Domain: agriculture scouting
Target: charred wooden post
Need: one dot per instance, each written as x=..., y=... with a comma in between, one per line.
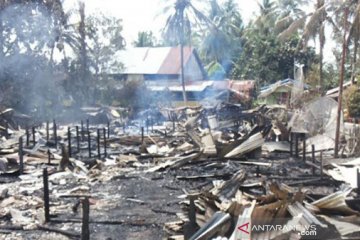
x=321, y=164
x=296, y=146
x=21, y=156
x=142, y=135
x=313, y=158
x=33, y=135
x=291, y=143
x=105, y=142
x=69, y=141
x=87, y=125
x=49, y=156
x=27, y=137
x=47, y=131
x=82, y=130
x=192, y=211
x=304, y=149
x=77, y=139
x=98, y=143
x=46, y=195
x=358, y=182
x=55, y=133
x=89, y=143
x=85, y=231
x=108, y=129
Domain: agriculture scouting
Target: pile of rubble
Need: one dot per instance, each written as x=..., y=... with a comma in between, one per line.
x=234, y=172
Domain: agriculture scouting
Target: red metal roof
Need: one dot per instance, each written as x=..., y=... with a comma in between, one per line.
x=172, y=62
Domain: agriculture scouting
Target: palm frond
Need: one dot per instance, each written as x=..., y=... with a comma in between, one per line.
x=292, y=29
x=315, y=21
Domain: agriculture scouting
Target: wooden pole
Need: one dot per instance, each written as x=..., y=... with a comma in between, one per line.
x=85, y=230
x=291, y=144
x=105, y=143
x=313, y=158
x=77, y=138
x=49, y=156
x=142, y=135
x=33, y=135
x=321, y=164
x=296, y=145
x=46, y=195
x=342, y=73
x=82, y=130
x=98, y=143
x=192, y=211
x=21, y=156
x=69, y=140
x=55, y=133
x=27, y=137
x=47, y=131
x=89, y=143
x=108, y=129
x=304, y=149
x=358, y=182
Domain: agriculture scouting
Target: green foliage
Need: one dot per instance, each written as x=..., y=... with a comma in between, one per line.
x=145, y=39
x=221, y=40
x=354, y=104
x=268, y=60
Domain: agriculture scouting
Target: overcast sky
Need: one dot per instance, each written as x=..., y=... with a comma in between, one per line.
x=144, y=15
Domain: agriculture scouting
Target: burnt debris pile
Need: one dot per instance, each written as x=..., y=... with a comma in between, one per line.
x=208, y=172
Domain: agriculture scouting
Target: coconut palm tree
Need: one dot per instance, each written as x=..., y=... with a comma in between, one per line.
x=354, y=34
x=222, y=39
x=178, y=27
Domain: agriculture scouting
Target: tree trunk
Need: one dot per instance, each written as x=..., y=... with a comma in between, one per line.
x=342, y=72
x=182, y=56
x=353, y=74
x=83, y=53
x=321, y=60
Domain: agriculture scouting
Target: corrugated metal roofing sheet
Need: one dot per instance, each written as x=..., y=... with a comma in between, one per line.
x=155, y=60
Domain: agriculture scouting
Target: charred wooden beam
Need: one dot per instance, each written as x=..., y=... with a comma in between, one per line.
x=296, y=146
x=82, y=130
x=69, y=140
x=27, y=137
x=358, y=182
x=77, y=139
x=291, y=143
x=105, y=142
x=89, y=143
x=49, y=156
x=85, y=231
x=55, y=133
x=313, y=158
x=21, y=156
x=33, y=135
x=47, y=131
x=304, y=150
x=46, y=195
x=98, y=143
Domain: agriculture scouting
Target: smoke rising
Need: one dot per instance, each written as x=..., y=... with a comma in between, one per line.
x=27, y=33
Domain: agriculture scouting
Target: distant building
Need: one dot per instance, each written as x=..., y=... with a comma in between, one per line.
x=159, y=64
x=277, y=93
x=160, y=69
